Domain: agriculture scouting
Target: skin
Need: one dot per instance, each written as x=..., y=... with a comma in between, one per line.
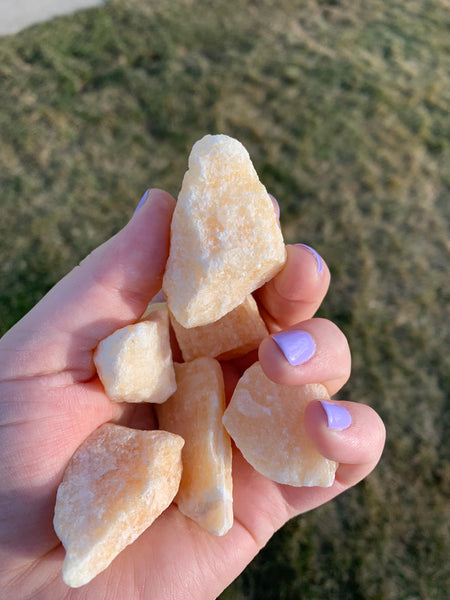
x=51, y=400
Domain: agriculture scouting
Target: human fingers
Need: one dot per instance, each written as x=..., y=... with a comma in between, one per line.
x=297, y=291
x=354, y=439
x=313, y=351
x=109, y=289
x=349, y=433
x=209, y=563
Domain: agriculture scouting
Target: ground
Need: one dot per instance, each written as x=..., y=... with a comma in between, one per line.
x=343, y=107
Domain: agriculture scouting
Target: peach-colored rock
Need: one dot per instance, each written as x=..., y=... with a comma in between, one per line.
x=225, y=237
x=156, y=309
x=195, y=413
x=235, y=334
x=265, y=420
x=134, y=363
x=116, y=484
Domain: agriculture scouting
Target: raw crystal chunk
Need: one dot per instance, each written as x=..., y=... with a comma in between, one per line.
x=225, y=238
x=134, y=363
x=116, y=484
x=156, y=306
x=265, y=420
x=195, y=412
x=235, y=334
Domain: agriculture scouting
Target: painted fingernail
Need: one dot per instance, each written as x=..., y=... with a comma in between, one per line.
x=141, y=202
x=277, y=206
x=297, y=346
x=317, y=256
x=338, y=417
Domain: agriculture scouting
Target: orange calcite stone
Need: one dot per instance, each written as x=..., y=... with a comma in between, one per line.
x=156, y=309
x=265, y=420
x=116, y=484
x=235, y=334
x=225, y=237
x=134, y=363
x=195, y=412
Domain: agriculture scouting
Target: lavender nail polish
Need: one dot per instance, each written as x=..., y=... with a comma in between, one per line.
x=141, y=202
x=317, y=256
x=338, y=416
x=276, y=205
x=296, y=345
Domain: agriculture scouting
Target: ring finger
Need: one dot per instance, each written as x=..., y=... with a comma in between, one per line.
x=313, y=351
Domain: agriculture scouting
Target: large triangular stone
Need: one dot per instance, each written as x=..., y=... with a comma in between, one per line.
x=225, y=238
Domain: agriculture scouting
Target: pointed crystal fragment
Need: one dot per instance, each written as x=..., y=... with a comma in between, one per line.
x=225, y=237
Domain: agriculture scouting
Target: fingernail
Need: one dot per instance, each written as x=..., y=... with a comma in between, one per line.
x=338, y=417
x=297, y=346
x=277, y=206
x=141, y=202
x=317, y=256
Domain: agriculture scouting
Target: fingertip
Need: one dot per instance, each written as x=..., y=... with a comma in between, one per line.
x=276, y=206
x=286, y=357
x=297, y=291
x=306, y=276
x=317, y=257
x=296, y=345
x=155, y=199
x=346, y=432
x=314, y=351
x=159, y=195
x=337, y=415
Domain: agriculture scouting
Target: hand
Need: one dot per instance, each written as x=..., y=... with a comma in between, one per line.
x=51, y=400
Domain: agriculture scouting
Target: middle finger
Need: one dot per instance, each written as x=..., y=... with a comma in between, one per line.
x=297, y=291
x=313, y=351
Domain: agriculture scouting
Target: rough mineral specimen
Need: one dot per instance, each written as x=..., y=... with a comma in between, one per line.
x=225, y=238
x=116, y=484
x=195, y=412
x=134, y=363
x=235, y=334
x=265, y=420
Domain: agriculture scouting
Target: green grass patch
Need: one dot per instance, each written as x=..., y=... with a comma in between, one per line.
x=343, y=107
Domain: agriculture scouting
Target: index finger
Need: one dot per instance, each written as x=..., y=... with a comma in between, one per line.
x=297, y=291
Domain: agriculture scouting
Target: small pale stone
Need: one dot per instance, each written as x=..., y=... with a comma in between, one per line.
x=225, y=238
x=116, y=484
x=134, y=363
x=195, y=412
x=235, y=334
x=265, y=420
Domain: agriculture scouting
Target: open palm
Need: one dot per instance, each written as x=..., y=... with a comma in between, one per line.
x=51, y=401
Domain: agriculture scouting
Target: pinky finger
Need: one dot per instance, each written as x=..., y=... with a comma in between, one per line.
x=349, y=433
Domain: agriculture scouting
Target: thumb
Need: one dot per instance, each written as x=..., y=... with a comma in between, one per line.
x=109, y=289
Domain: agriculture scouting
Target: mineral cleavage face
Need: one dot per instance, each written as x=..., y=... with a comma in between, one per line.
x=225, y=237
x=195, y=413
x=233, y=335
x=134, y=363
x=117, y=483
x=265, y=420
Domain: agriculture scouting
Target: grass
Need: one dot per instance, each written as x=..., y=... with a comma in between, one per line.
x=343, y=107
